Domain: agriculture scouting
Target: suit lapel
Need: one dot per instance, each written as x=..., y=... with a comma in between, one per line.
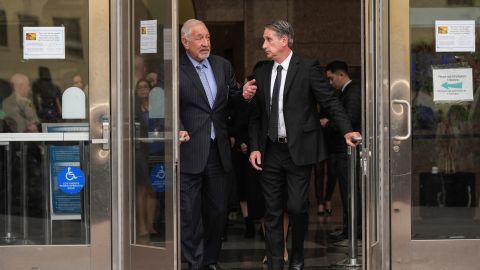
x=267, y=81
x=193, y=76
x=292, y=70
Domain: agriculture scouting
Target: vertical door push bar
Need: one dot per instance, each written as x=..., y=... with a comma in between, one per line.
x=352, y=260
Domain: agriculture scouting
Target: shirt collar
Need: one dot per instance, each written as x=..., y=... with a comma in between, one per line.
x=345, y=85
x=285, y=62
x=195, y=63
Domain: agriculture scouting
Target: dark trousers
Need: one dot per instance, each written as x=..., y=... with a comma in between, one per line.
x=340, y=166
x=324, y=194
x=280, y=174
x=203, y=203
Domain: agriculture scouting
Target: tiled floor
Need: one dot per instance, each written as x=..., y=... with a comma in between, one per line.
x=320, y=252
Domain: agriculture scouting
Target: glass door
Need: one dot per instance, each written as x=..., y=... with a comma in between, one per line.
x=435, y=146
x=55, y=179
x=152, y=215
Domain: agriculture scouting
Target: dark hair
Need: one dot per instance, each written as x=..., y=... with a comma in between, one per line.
x=337, y=66
x=143, y=80
x=282, y=28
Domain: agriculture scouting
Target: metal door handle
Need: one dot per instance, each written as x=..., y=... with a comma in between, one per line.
x=409, y=119
x=105, y=135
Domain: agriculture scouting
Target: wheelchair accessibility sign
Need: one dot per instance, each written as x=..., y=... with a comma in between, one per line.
x=71, y=180
x=157, y=178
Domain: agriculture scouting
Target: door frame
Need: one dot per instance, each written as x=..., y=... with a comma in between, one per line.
x=125, y=255
x=376, y=134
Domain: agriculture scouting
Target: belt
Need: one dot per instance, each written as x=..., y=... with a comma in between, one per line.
x=280, y=140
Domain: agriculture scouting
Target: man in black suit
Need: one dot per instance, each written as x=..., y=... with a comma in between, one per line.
x=206, y=82
x=285, y=136
x=351, y=97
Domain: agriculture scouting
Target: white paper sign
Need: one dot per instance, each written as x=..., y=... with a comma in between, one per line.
x=73, y=103
x=43, y=42
x=452, y=85
x=455, y=36
x=148, y=36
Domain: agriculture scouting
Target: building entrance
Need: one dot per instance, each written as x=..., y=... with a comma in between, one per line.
x=323, y=30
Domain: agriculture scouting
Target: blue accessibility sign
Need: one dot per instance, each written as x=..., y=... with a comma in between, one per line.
x=71, y=180
x=157, y=178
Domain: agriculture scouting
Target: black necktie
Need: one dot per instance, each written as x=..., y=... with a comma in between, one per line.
x=273, y=123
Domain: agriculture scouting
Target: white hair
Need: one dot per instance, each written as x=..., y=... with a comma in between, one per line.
x=187, y=27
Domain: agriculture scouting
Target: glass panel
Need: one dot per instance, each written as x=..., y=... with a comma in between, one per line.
x=36, y=208
x=446, y=131
x=150, y=92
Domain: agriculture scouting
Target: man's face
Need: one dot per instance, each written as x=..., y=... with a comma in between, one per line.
x=273, y=45
x=335, y=79
x=198, y=43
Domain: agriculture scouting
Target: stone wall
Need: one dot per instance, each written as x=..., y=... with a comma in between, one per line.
x=326, y=30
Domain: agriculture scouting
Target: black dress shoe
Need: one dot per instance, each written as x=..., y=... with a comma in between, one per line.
x=337, y=236
x=295, y=265
x=213, y=267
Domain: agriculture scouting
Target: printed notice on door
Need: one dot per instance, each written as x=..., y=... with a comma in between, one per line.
x=148, y=36
x=452, y=85
x=455, y=36
x=43, y=42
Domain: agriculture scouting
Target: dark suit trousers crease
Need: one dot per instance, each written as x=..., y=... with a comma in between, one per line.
x=280, y=174
x=203, y=202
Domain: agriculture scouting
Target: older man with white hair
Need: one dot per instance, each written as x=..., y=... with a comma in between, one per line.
x=19, y=107
x=206, y=82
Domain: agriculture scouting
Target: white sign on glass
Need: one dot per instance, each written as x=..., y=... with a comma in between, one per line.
x=43, y=42
x=73, y=103
x=148, y=36
x=452, y=85
x=455, y=36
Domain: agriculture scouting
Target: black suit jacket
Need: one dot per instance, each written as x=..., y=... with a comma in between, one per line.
x=351, y=99
x=304, y=87
x=196, y=114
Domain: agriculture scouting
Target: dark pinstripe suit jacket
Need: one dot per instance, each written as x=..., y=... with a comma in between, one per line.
x=196, y=114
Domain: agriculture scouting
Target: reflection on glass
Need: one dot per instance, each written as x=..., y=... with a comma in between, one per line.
x=34, y=210
x=151, y=166
x=446, y=135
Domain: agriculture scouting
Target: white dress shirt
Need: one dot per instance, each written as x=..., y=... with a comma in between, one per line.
x=282, y=132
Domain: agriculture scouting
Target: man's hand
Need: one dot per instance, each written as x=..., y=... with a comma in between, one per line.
x=323, y=122
x=249, y=90
x=183, y=136
x=256, y=160
x=349, y=138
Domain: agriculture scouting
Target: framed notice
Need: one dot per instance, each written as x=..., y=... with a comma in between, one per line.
x=43, y=42
x=455, y=36
x=452, y=85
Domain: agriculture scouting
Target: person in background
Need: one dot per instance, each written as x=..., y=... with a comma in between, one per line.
x=19, y=107
x=146, y=198
x=47, y=97
x=350, y=96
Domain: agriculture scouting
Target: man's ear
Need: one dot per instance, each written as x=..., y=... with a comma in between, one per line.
x=185, y=43
x=285, y=40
